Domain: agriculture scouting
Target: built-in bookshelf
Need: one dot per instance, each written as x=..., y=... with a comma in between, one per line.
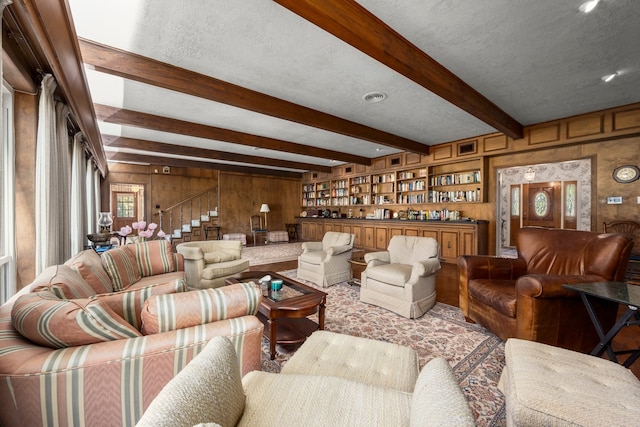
x=420, y=185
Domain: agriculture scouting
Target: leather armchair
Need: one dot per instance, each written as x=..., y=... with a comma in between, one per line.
x=326, y=263
x=402, y=279
x=524, y=298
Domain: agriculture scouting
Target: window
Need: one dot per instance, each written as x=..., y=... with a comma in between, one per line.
x=7, y=200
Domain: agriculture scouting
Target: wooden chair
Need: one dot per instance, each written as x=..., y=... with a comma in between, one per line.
x=257, y=227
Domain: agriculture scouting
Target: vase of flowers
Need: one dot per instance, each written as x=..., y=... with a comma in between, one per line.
x=144, y=232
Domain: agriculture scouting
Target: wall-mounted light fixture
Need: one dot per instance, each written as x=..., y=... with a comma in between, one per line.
x=529, y=174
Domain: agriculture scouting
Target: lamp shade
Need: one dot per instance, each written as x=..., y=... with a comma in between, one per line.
x=264, y=208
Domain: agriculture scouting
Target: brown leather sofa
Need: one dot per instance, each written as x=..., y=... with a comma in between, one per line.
x=524, y=298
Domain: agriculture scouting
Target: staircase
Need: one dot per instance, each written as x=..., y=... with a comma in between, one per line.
x=187, y=220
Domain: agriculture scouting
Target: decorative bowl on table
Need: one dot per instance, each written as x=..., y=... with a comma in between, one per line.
x=98, y=238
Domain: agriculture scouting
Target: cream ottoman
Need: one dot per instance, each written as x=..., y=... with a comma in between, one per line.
x=551, y=386
x=278, y=236
x=358, y=359
x=236, y=236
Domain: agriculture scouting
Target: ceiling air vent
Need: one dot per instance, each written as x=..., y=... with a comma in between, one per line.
x=373, y=97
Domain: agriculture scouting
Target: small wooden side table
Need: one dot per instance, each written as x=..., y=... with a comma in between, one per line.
x=358, y=265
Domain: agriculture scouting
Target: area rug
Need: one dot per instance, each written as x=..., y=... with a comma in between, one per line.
x=268, y=254
x=476, y=355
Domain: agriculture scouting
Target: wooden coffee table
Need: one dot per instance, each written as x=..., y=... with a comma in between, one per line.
x=284, y=313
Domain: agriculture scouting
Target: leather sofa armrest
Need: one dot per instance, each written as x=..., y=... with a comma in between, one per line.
x=490, y=267
x=550, y=285
x=311, y=246
x=377, y=258
x=336, y=250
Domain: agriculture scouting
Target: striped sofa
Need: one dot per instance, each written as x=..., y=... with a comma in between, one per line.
x=93, y=341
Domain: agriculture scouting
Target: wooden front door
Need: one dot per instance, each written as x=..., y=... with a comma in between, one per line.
x=542, y=205
x=125, y=206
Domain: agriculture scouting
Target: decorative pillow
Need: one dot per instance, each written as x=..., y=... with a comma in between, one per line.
x=153, y=257
x=53, y=322
x=121, y=267
x=89, y=265
x=215, y=257
x=128, y=303
x=63, y=282
x=163, y=313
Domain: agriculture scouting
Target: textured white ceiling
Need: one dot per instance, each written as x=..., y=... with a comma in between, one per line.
x=537, y=60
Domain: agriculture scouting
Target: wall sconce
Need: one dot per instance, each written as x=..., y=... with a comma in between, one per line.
x=264, y=208
x=529, y=174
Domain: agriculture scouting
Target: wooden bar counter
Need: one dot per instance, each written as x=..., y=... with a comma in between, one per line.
x=455, y=237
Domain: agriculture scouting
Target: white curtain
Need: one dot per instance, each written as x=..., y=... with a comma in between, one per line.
x=53, y=206
x=79, y=214
x=90, y=198
x=96, y=191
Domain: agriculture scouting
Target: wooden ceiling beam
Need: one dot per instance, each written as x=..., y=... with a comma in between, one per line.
x=181, y=150
x=166, y=124
x=355, y=25
x=130, y=66
x=183, y=163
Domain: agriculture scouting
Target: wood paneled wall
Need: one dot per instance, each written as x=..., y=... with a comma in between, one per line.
x=240, y=195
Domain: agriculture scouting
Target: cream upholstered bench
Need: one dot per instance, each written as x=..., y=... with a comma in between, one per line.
x=236, y=236
x=277, y=236
x=551, y=386
x=358, y=359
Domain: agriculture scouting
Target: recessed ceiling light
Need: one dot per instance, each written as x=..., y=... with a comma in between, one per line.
x=609, y=77
x=373, y=97
x=588, y=6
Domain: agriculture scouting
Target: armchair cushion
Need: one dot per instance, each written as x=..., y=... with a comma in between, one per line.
x=392, y=274
x=50, y=321
x=169, y=312
x=333, y=238
x=215, y=257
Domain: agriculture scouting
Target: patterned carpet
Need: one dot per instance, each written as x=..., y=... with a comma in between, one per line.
x=476, y=354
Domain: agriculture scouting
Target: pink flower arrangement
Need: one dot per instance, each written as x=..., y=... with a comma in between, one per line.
x=144, y=231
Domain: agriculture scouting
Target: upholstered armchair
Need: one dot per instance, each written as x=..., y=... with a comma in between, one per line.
x=402, y=278
x=208, y=263
x=524, y=298
x=326, y=263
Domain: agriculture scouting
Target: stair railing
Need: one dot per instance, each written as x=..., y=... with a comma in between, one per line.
x=178, y=209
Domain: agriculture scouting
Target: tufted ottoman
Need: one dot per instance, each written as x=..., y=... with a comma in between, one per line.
x=236, y=236
x=358, y=359
x=551, y=386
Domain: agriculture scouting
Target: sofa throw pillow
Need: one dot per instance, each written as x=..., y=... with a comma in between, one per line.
x=153, y=257
x=128, y=303
x=50, y=321
x=215, y=257
x=121, y=267
x=63, y=282
x=162, y=313
x=89, y=265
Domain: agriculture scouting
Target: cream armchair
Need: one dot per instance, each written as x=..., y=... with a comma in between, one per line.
x=208, y=263
x=326, y=263
x=402, y=278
